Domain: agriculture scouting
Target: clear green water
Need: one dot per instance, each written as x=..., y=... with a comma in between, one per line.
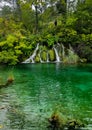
x=40, y=89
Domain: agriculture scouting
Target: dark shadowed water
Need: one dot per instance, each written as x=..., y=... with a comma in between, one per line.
x=39, y=90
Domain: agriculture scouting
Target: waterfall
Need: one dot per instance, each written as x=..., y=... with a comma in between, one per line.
x=71, y=5
x=72, y=56
x=47, y=57
x=57, y=56
x=31, y=58
x=40, y=57
x=63, y=50
x=71, y=49
x=43, y=55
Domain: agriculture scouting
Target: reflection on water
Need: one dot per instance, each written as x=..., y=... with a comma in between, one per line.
x=40, y=89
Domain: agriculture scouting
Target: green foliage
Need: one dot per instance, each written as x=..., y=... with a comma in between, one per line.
x=50, y=40
x=85, y=51
x=13, y=49
x=61, y=6
x=18, y=28
x=8, y=57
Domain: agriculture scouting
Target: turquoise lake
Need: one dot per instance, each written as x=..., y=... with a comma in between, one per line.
x=39, y=90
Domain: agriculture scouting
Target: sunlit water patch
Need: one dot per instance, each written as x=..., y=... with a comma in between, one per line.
x=39, y=90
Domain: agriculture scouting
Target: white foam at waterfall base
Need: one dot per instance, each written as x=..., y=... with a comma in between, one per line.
x=31, y=58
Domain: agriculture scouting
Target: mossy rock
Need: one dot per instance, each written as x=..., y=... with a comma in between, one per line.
x=44, y=55
x=52, y=56
x=65, y=59
x=37, y=59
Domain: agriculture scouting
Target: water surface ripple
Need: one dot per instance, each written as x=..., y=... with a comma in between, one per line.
x=40, y=89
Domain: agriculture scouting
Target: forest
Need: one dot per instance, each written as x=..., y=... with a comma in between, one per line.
x=24, y=23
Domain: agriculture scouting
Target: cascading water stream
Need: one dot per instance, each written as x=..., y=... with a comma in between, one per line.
x=71, y=49
x=47, y=57
x=57, y=55
x=72, y=56
x=57, y=52
x=63, y=50
x=40, y=57
x=31, y=58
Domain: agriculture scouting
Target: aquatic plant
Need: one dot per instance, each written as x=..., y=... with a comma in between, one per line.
x=56, y=122
x=10, y=80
